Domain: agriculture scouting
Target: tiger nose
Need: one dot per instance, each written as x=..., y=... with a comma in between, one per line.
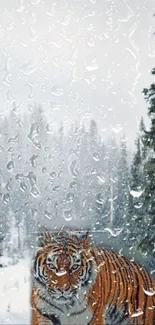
x=63, y=289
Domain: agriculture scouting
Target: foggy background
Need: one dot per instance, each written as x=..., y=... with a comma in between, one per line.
x=78, y=59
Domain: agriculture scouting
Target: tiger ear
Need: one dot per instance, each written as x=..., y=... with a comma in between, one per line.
x=44, y=238
x=85, y=240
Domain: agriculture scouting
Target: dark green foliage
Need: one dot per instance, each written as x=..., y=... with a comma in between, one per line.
x=147, y=243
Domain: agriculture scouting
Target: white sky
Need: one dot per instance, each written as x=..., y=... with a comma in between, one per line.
x=81, y=59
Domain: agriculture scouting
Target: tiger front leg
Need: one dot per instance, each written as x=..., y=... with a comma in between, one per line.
x=38, y=319
x=98, y=319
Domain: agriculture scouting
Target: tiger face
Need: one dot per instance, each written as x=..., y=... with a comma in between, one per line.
x=64, y=268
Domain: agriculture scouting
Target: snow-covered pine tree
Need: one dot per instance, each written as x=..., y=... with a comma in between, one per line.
x=121, y=204
x=135, y=203
x=147, y=242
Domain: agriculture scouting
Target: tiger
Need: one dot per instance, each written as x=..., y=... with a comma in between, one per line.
x=75, y=282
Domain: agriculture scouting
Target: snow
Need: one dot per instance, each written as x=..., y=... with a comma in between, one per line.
x=15, y=294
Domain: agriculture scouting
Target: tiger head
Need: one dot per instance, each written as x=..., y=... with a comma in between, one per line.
x=63, y=265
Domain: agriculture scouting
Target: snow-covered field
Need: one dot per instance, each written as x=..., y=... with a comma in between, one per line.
x=15, y=293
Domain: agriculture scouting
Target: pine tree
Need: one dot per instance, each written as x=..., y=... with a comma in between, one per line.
x=148, y=242
x=136, y=184
x=121, y=203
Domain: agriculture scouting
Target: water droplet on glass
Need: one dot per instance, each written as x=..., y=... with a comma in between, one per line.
x=56, y=188
x=99, y=199
x=29, y=67
x=19, y=177
x=10, y=165
x=137, y=314
x=51, y=12
x=53, y=175
x=69, y=197
x=48, y=215
x=93, y=66
x=32, y=178
x=117, y=129
x=93, y=172
x=23, y=186
x=34, y=191
x=6, y=198
x=33, y=160
x=68, y=215
x=96, y=156
x=44, y=170
x=10, y=149
x=34, y=131
x=101, y=179
x=57, y=90
x=73, y=169
x=13, y=139
x=114, y=232
x=8, y=186
x=136, y=193
x=35, y=2
x=34, y=212
x=150, y=292
x=138, y=205
x=73, y=185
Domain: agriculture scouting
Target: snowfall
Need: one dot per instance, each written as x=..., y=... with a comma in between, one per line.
x=15, y=292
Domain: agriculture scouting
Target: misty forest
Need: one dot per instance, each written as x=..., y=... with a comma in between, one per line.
x=75, y=178
x=76, y=89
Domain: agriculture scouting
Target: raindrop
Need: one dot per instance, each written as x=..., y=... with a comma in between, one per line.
x=8, y=186
x=100, y=201
x=23, y=186
x=53, y=175
x=60, y=173
x=48, y=215
x=10, y=165
x=34, y=191
x=68, y=215
x=34, y=131
x=56, y=188
x=35, y=2
x=13, y=139
x=29, y=67
x=101, y=179
x=34, y=212
x=138, y=206
x=69, y=197
x=151, y=292
x=91, y=43
x=73, y=184
x=114, y=232
x=96, y=156
x=136, y=193
x=19, y=177
x=44, y=170
x=57, y=90
x=117, y=129
x=93, y=66
x=93, y=172
x=33, y=160
x=6, y=198
x=51, y=12
x=73, y=168
x=32, y=178
x=137, y=314
x=10, y=149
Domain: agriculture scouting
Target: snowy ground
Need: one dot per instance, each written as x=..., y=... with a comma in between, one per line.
x=15, y=294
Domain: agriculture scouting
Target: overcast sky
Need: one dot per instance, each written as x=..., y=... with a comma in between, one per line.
x=81, y=59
